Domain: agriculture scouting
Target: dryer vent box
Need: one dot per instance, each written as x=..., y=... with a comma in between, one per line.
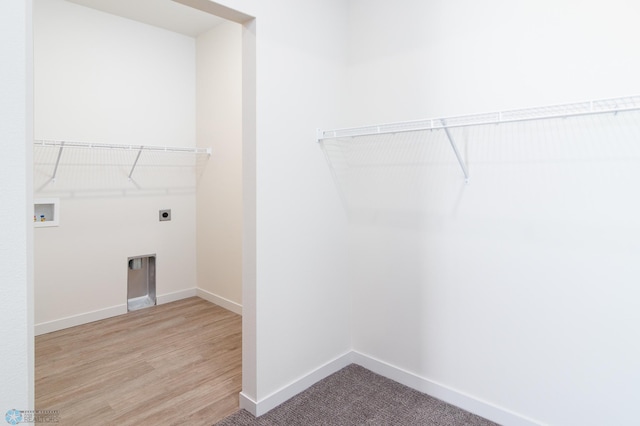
x=141, y=282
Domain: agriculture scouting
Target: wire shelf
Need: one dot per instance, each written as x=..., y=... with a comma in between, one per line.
x=601, y=106
x=94, y=145
x=139, y=149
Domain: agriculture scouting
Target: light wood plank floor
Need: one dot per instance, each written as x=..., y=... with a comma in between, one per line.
x=177, y=363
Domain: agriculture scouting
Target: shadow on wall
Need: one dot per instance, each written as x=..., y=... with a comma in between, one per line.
x=393, y=180
x=81, y=172
x=433, y=260
x=400, y=180
x=393, y=188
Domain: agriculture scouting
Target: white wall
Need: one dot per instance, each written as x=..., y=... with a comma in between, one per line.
x=302, y=292
x=101, y=78
x=300, y=277
x=515, y=295
x=446, y=276
x=494, y=55
x=219, y=196
x=16, y=261
x=297, y=319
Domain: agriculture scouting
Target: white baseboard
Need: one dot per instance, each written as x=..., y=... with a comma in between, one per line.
x=247, y=403
x=292, y=389
x=178, y=295
x=459, y=399
x=467, y=402
x=220, y=301
x=84, y=318
x=100, y=314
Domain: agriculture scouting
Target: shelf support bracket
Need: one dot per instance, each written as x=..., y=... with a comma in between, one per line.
x=135, y=162
x=463, y=166
x=55, y=169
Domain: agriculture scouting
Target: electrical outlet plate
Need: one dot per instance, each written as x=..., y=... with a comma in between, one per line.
x=164, y=215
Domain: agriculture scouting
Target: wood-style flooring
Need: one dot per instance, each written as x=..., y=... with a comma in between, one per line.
x=177, y=363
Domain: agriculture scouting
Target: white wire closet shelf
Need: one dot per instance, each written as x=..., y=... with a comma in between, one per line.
x=61, y=145
x=600, y=106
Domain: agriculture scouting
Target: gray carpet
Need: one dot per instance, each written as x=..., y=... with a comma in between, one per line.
x=357, y=396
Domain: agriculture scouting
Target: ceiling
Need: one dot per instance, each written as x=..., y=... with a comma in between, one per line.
x=166, y=14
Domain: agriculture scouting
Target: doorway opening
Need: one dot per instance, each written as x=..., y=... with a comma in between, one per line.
x=106, y=209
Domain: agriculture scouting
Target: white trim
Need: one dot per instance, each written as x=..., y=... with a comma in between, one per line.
x=100, y=314
x=229, y=305
x=177, y=295
x=84, y=318
x=258, y=408
x=452, y=396
x=247, y=403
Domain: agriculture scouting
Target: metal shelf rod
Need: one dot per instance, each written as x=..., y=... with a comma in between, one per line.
x=91, y=145
x=602, y=106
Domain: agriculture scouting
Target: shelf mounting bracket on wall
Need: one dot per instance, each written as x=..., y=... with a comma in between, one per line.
x=463, y=166
x=105, y=146
x=135, y=162
x=55, y=169
x=600, y=106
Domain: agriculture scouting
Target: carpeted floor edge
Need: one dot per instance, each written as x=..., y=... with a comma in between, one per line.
x=357, y=396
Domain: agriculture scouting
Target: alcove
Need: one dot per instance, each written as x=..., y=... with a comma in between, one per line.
x=138, y=78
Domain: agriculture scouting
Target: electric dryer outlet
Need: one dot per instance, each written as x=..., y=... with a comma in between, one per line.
x=165, y=215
